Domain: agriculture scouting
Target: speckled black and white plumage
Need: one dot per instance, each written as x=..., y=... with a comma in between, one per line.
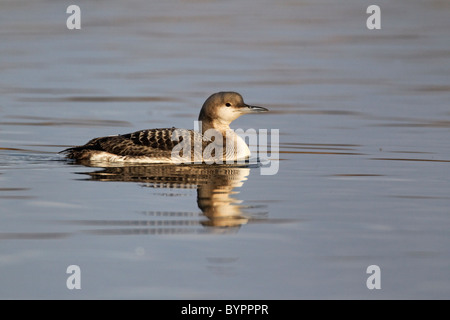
x=143, y=145
x=157, y=145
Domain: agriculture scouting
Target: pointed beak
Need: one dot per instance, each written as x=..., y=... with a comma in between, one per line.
x=252, y=109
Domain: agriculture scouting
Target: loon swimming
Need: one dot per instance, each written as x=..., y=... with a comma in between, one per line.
x=216, y=141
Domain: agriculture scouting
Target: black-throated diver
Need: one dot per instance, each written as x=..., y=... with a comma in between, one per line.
x=158, y=145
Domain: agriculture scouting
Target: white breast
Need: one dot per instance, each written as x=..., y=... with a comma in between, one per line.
x=238, y=149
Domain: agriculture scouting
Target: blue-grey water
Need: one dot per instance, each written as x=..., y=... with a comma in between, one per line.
x=364, y=150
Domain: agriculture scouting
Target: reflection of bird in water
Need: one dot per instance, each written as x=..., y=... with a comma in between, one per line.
x=215, y=186
x=215, y=142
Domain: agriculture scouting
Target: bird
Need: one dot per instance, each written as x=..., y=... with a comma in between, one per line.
x=215, y=141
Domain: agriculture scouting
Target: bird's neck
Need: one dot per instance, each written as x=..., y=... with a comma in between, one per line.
x=217, y=125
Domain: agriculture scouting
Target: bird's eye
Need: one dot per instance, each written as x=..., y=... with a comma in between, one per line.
x=228, y=104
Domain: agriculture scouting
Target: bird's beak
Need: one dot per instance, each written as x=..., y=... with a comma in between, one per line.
x=252, y=109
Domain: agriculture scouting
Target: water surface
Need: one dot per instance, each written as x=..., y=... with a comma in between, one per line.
x=364, y=144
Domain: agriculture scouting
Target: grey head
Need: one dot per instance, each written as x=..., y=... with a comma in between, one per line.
x=221, y=108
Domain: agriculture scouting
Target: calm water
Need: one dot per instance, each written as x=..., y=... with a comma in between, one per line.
x=364, y=120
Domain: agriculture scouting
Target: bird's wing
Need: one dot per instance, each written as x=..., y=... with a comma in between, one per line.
x=154, y=139
x=151, y=142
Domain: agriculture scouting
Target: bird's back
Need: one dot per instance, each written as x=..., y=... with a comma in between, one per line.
x=152, y=145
